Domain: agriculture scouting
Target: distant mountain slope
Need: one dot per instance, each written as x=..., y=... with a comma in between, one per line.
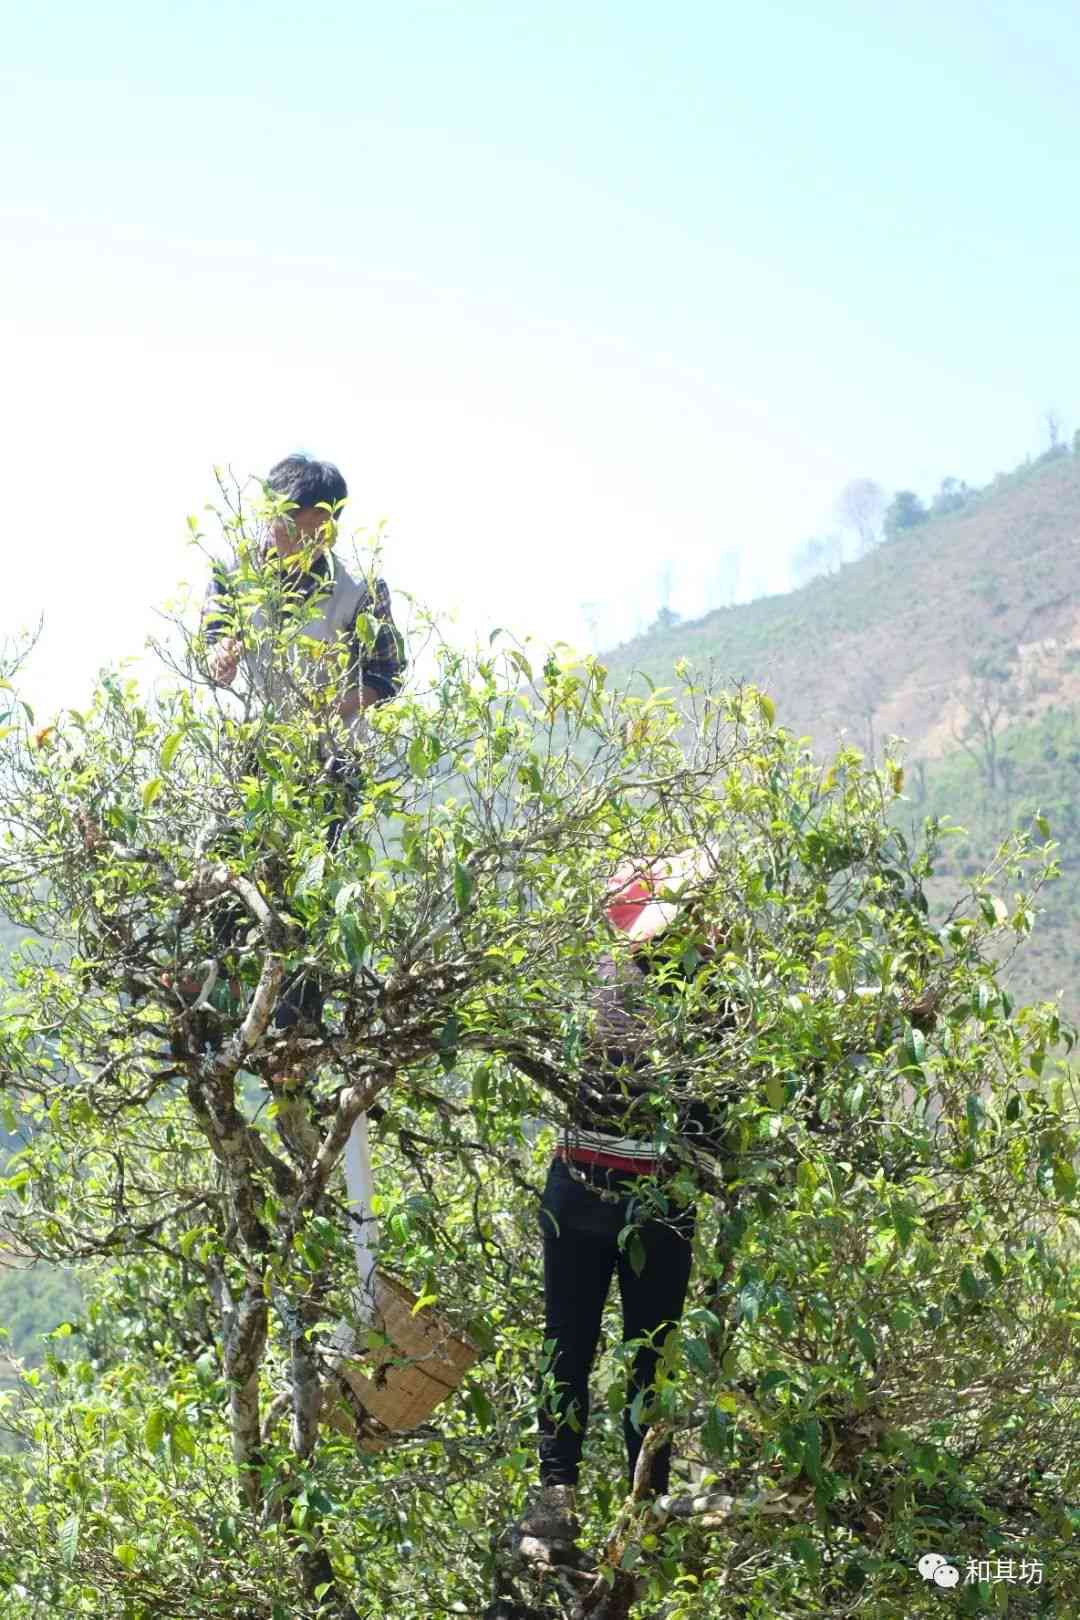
x=886, y=644
x=894, y=643
x=1041, y=774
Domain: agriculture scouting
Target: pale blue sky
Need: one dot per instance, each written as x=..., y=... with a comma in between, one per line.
x=566, y=290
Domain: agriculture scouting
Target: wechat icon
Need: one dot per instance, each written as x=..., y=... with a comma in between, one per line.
x=933, y=1567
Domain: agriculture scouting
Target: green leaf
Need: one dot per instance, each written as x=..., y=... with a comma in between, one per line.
x=749, y=1300
x=346, y=896
x=635, y=1251
x=970, y=1285
x=915, y=1045
x=775, y=1091
x=480, y=1084
x=313, y=874
x=865, y=1340
x=154, y=1427
x=1064, y=1179
x=169, y=747
x=417, y=756
x=446, y=1042
x=181, y=1441
x=807, y=1552
x=994, y=910
x=976, y=1113
x=151, y=791
x=482, y=1408
x=355, y=941
x=67, y=1539
x=697, y=1354
x=126, y=1554
x=463, y=885
x=993, y=1266
x=904, y=1219
x=812, y=1449
x=716, y=1432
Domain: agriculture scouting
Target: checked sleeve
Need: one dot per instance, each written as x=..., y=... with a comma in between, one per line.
x=378, y=658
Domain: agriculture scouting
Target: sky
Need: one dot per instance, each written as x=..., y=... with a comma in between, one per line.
x=597, y=306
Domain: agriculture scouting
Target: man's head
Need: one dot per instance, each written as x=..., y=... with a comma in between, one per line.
x=313, y=489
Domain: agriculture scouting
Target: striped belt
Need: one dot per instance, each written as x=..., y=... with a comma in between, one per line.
x=607, y=1161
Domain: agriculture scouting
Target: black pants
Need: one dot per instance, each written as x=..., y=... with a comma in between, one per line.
x=581, y=1251
x=301, y=995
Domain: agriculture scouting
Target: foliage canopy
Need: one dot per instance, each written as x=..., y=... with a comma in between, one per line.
x=876, y=1359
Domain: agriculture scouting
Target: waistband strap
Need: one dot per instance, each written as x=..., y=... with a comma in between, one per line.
x=607, y=1161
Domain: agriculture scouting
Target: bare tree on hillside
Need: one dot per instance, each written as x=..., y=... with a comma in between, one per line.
x=728, y=576
x=860, y=507
x=916, y=779
x=666, y=616
x=991, y=699
x=868, y=689
x=820, y=554
x=590, y=612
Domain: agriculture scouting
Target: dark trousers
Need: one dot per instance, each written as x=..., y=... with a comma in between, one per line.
x=581, y=1251
x=302, y=995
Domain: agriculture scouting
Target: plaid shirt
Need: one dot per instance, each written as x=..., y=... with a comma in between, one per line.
x=380, y=666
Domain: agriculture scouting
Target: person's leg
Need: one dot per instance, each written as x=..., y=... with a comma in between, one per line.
x=302, y=998
x=301, y=1001
x=230, y=919
x=332, y=802
x=580, y=1235
x=651, y=1303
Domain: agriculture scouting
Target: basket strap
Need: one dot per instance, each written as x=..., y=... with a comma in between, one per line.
x=365, y=1231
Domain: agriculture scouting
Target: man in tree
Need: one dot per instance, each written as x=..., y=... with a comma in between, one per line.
x=349, y=638
x=309, y=495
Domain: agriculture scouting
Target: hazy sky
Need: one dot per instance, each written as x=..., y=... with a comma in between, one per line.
x=567, y=290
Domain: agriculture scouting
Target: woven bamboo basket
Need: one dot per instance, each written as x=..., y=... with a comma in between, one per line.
x=401, y=1382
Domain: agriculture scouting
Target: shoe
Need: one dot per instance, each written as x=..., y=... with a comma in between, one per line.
x=545, y=1534
x=551, y=1515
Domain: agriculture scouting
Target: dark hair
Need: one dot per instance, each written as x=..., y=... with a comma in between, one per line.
x=307, y=482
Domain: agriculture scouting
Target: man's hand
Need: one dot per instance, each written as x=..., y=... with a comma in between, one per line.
x=92, y=835
x=224, y=660
x=923, y=1012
